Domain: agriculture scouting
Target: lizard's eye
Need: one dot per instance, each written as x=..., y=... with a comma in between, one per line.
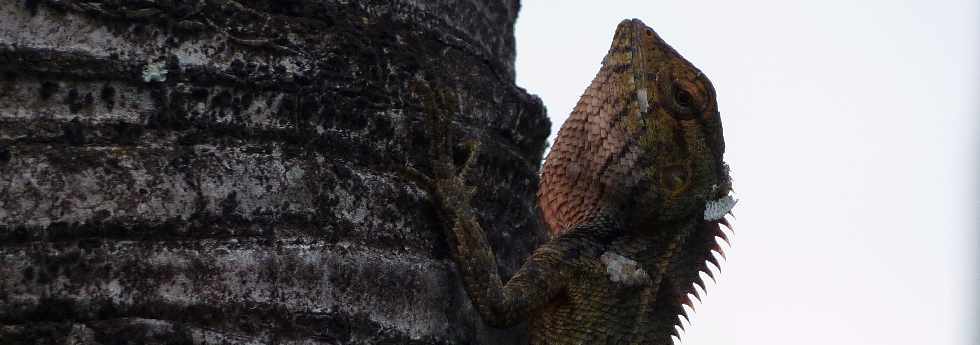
x=684, y=100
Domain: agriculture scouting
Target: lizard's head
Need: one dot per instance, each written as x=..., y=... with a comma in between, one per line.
x=678, y=128
x=646, y=136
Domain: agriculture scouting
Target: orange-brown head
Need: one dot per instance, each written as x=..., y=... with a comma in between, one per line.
x=645, y=138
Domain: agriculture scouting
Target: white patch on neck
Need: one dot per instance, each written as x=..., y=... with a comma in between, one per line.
x=715, y=209
x=641, y=98
x=623, y=270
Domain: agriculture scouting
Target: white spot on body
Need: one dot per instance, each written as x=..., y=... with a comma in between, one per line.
x=624, y=270
x=641, y=98
x=715, y=209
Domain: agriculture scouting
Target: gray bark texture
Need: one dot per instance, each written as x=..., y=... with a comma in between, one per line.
x=226, y=172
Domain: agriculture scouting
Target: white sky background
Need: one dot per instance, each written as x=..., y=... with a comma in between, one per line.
x=852, y=131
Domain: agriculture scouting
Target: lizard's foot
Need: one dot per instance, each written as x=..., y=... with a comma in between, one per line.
x=447, y=185
x=450, y=185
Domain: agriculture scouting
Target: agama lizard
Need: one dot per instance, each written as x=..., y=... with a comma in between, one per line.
x=633, y=191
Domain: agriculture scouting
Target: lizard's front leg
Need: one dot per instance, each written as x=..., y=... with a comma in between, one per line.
x=536, y=283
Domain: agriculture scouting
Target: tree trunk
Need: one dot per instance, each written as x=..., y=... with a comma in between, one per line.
x=213, y=171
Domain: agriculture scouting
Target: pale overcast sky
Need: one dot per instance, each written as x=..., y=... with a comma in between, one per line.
x=852, y=132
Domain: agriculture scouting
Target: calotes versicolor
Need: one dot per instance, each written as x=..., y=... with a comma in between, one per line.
x=633, y=191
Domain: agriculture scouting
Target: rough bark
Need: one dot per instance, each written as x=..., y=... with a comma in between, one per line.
x=230, y=172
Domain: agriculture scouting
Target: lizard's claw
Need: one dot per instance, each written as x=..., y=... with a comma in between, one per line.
x=474, y=148
x=418, y=177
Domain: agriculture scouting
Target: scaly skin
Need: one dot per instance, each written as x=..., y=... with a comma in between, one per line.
x=623, y=191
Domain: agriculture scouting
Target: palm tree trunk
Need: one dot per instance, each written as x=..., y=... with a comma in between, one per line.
x=220, y=171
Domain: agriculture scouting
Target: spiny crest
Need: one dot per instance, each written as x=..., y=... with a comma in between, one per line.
x=685, y=281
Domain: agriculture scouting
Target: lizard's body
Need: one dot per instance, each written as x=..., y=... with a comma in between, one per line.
x=628, y=191
x=611, y=292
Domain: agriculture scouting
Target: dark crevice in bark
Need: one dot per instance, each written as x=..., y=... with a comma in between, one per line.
x=109, y=323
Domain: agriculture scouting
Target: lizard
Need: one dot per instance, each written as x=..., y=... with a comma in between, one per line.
x=634, y=193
